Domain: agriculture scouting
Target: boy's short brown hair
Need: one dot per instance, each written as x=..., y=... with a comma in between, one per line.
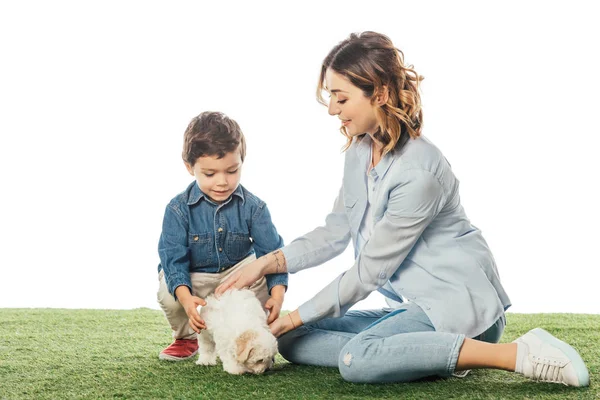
x=212, y=134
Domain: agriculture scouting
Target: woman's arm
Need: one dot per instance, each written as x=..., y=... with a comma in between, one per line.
x=321, y=244
x=312, y=249
x=412, y=205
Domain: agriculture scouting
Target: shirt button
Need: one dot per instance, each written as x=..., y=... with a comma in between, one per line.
x=220, y=249
x=382, y=275
x=220, y=229
x=195, y=238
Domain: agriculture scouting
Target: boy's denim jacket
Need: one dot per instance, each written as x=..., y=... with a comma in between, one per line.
x=199, y=235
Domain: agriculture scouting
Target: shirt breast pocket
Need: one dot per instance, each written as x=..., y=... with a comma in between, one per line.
x=352, y=212
x=238, y=245
x=201, y=249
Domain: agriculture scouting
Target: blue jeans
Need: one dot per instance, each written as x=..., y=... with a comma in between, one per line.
x=377, y=346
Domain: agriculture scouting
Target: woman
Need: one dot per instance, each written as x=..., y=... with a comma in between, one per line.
x=399, y=204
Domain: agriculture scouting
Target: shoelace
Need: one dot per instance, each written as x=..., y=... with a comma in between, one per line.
x=547, y=370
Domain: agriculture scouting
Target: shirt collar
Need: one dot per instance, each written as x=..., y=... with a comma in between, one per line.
x=363, y=149
x=196, y=195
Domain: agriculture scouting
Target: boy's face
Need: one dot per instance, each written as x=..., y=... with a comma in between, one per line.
x=217, y=177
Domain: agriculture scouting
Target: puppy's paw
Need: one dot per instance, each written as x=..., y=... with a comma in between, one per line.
x=207, y=359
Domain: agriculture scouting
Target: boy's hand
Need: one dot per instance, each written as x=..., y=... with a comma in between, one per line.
x=275, y=302
x=190, y=304
x=191, y=309
x=274, y=306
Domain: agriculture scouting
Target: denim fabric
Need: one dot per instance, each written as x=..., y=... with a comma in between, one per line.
x=374, y=346
x=199, y=235
x=422, y=247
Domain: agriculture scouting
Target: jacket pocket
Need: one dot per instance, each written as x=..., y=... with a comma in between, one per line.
x=352, y=213
x=201, y=249
x=349, y=202
x=238, y=246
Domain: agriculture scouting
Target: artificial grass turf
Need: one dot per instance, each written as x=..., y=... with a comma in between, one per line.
x=97, y=354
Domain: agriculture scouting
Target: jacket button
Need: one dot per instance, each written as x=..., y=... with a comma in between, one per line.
x=220, y=229
x=195, y=238
x=220, y=249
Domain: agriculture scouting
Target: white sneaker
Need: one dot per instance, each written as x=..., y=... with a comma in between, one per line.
x=461, y=374
x=544, y=358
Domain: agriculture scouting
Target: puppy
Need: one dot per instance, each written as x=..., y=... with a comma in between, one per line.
x=237, y=332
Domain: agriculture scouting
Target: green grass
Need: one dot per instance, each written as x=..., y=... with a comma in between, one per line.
x=56, y=354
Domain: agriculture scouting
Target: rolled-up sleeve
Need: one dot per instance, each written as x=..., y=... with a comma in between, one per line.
x=173, y=249
x=413, y=204
x=321, y=244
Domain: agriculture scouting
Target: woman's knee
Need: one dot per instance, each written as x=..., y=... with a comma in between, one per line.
x=286, y=344
x=354, y=363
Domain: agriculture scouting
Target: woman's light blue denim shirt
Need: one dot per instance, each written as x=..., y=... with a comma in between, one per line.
x=422, y=248
x=199, y=235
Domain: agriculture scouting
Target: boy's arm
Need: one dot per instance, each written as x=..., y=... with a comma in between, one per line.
x=265, y=240
x=173, y=250
x=275, y=302
x=278, y=292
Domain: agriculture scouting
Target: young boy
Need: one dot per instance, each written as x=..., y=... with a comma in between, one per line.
x=210, y=230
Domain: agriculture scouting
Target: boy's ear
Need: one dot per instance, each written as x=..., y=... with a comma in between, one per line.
x=189, y=167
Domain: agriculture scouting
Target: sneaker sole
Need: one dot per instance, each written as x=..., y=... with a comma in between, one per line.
x=461, y=374
x=582, y=372
x=166, y=357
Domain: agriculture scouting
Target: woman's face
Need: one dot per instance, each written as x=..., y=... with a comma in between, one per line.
x=349, y=103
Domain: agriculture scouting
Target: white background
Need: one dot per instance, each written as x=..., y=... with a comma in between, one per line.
x=95, y=96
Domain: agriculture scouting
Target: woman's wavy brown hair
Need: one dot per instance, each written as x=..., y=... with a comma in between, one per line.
x=370, y=61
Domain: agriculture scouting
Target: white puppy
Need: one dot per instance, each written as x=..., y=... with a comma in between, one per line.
x=236, y=331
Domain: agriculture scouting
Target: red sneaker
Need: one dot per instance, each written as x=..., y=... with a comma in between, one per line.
x=180, y=349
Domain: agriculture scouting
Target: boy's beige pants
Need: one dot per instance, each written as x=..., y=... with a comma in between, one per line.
x=203, y=284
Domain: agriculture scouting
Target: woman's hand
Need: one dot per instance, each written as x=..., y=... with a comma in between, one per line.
x=271, y=263
x=243, y=277
x=285, y=324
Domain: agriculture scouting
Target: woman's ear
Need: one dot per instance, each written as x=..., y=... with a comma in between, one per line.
x=189, y=167
x=382, y=96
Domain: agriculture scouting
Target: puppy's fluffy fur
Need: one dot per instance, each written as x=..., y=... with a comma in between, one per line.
x=236, y=331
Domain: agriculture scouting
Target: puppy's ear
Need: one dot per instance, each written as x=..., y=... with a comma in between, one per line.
x=244, y=345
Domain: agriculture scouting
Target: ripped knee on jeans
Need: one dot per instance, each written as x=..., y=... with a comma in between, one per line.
x=347, y=360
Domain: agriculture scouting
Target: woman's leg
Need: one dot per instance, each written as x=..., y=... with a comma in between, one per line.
x=400, y=347
x=476, y=354
x=482, y=351
x=384, y=353
x=320, y=343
